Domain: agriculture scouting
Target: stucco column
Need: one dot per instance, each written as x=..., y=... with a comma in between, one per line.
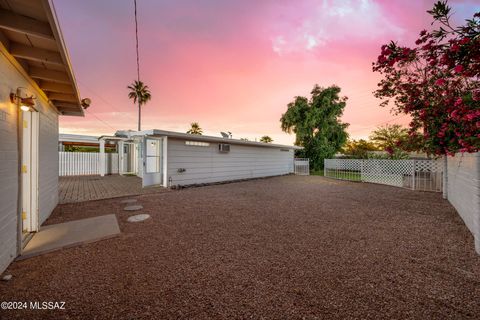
x=101, y=159
x=121, y=157
x=445, y=177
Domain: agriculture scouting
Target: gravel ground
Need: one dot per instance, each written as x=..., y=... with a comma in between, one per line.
x=281, y=248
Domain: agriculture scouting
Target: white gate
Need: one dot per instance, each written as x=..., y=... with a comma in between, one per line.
x=301, y=166
x=424, y=175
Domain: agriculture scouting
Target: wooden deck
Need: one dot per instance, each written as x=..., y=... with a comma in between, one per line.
x=86, y=188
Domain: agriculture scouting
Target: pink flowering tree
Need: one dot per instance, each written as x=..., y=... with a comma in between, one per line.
x=437, y=83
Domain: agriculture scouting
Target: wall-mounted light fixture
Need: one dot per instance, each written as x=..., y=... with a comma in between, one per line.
x=26, y=103
x=86, y=102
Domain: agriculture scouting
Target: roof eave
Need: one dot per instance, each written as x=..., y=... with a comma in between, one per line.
x=77, y=109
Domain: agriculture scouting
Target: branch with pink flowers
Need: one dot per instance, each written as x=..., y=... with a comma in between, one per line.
x=437, y=83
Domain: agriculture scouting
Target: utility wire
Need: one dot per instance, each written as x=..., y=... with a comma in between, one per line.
x=105, y=123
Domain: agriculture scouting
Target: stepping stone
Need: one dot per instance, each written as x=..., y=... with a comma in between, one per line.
x=129, y=201
x=7, y=277
x=133, y=207
x=138, y=218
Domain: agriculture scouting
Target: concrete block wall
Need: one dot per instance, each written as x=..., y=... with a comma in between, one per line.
x=463, y=190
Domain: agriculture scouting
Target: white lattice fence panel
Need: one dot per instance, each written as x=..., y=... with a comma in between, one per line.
x=428, y=166
x=390, y=172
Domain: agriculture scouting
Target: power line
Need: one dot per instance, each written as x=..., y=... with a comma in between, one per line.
x=102, y=98
x=104, y=122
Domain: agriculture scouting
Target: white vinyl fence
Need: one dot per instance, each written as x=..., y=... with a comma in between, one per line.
x=424, y=175
x=85, y=163
x=302, y=166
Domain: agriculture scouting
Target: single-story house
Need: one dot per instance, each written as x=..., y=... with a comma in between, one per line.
x=37, y=85
x=169, y=158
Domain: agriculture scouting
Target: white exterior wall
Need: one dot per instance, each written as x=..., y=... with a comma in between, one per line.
x=48, y=163
x=10, y=80
x=464, y=190
x=207, y=164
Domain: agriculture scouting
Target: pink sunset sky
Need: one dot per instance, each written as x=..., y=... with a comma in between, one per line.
x=233, y=65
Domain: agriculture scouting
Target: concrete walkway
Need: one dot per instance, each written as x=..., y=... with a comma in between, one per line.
x=68, y=234
x=86, y=188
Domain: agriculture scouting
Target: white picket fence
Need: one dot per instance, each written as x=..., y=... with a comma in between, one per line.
x=85, y=163
x=424, y=175
x=302, y=166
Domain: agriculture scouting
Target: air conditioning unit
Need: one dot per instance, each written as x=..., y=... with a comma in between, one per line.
x=224, y=148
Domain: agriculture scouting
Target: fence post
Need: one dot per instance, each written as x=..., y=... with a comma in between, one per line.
x=413, y=175
x=361, y=170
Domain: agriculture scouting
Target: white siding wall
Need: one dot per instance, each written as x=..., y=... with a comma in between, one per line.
x=206, y=164
x=464, y=190
x=48, y=164
x=10, y=80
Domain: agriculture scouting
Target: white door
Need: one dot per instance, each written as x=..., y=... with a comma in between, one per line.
x=29, y=171
x=152, y=161
x=127, y=158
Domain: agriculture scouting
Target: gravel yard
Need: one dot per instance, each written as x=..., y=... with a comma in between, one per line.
x=288, y=247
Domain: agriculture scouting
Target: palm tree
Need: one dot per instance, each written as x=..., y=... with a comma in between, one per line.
x=195, y=129
x=266, y=139
x=140, y=94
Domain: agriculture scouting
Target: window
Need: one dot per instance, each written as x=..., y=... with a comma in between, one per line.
x=197, y=143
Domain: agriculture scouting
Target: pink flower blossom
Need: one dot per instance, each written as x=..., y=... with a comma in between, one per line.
x=440, y=82
x=458, y=69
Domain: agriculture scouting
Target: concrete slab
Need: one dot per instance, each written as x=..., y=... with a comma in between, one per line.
x=70, y=234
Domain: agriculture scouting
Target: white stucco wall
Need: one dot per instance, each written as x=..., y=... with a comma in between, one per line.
x=464, y=190
x=10, y=79
x=206, y=164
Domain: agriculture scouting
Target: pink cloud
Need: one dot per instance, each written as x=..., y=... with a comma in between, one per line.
x=231, y=65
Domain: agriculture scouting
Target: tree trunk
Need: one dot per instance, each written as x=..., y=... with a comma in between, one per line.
x=139, y=116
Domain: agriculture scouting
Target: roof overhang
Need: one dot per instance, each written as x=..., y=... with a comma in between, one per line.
x=30, y=33
x=196, y=137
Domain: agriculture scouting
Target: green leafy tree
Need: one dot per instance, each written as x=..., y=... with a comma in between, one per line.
x=316, y=124
x=395, y=140
x=195, y=129
x=389, y=137
x=266, y=139
x=359, y=149
x=140, y=94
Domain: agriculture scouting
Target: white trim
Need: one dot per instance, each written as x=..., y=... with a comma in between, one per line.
x=196, y=137
x=102, y=158
x=121, y=157
x=165, y=161
x=29, y=171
